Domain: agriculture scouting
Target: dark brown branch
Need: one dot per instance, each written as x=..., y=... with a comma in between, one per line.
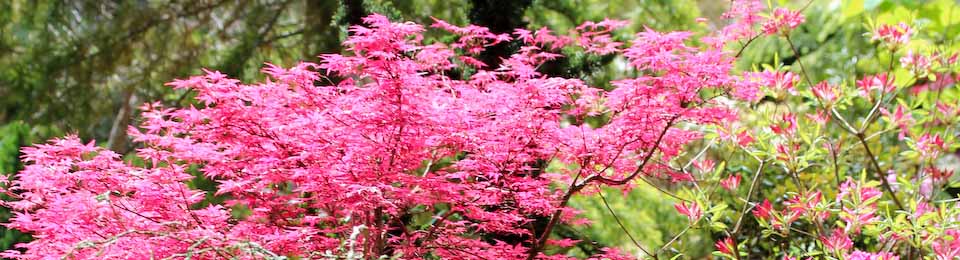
x=282, y=36
x=643, y=164
x=574, y=188
x=876, y=167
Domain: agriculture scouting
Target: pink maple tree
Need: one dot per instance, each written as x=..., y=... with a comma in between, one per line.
x=338, y=169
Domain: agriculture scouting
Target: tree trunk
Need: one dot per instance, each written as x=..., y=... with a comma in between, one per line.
x=320, y=34
x=500, y=17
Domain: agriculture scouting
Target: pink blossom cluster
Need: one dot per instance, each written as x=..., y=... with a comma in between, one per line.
x=893, y=35
x=782, y=20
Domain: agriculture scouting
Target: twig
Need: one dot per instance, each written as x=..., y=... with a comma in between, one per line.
x=574, y=188
x=876, y=166
x=799, y=62
x=674, y=239
x=622, y=227
x=646, y=159
x=747, y=206
x=662, y=190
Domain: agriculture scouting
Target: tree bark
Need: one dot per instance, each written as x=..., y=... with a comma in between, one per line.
x=118, y=131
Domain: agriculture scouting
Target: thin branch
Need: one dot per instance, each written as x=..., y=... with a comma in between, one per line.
x=700, y=154
x=280, y=37
x=574, y=188
x=876, y=167
x=675, y=196
x=844, y=123
x=799, y=62
x=747, y=206
x=674, y=239
x=646, y=159
x=744, y=47
x=622, y=227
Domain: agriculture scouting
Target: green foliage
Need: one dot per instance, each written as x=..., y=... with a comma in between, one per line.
x=647, y=214
x=12, y=136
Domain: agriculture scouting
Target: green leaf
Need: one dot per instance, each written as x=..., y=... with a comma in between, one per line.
x=718, y=226
x=719, y=169
x=721, y=255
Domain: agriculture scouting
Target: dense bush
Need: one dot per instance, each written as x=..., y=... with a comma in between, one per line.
x=408, y=149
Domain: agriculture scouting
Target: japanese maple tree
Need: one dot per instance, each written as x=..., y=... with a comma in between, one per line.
x=403, y=149
x=331, y=169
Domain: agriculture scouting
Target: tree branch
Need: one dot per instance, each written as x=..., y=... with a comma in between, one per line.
x=620, y=223
x=574, y=188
